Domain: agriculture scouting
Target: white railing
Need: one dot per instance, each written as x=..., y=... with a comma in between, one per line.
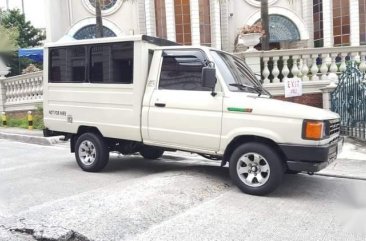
x=21, y=92
x=317, y=67
x=312, y=64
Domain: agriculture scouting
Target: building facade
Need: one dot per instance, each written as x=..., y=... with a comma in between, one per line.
x=216, y=23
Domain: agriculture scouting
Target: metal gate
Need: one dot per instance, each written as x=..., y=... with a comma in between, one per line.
x=349, y=101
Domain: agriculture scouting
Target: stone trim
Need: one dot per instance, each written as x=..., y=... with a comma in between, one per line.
x=195, y=22
x=224, y=19
x=328, y=23
x=142, y=16
x=170, y=20
x=215, y=24
x=354, y=9
x=150, y=17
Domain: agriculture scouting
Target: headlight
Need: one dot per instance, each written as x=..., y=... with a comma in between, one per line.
x=313, y=130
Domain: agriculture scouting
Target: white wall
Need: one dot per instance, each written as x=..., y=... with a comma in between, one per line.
x=244, y=12
x=57, y=22
x=64, y=15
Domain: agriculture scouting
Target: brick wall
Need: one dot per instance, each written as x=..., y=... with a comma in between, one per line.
x=315, y=100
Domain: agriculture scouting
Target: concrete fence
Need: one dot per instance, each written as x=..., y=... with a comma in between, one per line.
x=22, y=92
x=319, y=69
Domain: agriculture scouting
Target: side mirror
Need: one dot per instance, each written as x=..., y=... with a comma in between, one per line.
x=209, y=77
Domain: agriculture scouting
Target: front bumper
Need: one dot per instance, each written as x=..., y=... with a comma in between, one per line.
x=311, y=158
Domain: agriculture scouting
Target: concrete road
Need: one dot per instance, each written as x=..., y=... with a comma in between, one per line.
x=45, y=196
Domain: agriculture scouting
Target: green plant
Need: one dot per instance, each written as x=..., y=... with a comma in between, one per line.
x=22, y=123
x=38, y=118
x=28, y=35
x=20, y=120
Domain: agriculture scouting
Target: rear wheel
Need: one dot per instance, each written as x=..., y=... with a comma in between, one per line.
x=256, y=168
x=91, y=152
x=150, y=152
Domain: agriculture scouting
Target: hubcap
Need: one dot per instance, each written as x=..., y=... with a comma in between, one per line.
x=253, y=169
x=87, y=153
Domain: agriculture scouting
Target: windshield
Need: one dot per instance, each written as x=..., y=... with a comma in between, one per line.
x=235, y=72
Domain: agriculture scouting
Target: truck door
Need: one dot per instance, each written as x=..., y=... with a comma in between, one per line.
x=182, y=112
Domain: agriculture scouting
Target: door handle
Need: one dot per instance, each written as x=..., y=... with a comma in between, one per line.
x=160, y=104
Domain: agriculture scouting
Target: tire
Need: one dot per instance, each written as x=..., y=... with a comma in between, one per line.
x=150, y=152
x=256, y=168
x=91, y=152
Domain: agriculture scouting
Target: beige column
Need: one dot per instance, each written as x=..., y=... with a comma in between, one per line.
x=328, y=23
x=170, y=20
x=354, y=9
x=195, y=22
x=4, y=70
x=215, y=24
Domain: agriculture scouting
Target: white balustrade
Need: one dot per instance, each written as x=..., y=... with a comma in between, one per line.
x=310, y=64
x=295, y=70
x=362, y=66
x=265, y=71
x=23, y=90
x=305, y=68
x=285, y=69
x=314, y=67
x=275, y=70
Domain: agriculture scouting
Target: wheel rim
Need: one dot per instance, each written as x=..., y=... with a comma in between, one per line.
x=253, y=169
x=87, y=153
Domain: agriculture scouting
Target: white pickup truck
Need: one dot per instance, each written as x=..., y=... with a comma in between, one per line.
x=144, y=94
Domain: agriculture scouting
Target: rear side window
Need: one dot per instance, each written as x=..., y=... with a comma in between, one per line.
x=57, y=70
x=108, y=63
x=76, y=64
x=182, y=70
x=68, y=65
x=111, y=63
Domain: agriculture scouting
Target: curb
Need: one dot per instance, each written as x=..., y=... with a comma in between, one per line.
x=39, y=140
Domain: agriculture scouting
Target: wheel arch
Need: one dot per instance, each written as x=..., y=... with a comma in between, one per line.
x=82, y=130
x=242, y=139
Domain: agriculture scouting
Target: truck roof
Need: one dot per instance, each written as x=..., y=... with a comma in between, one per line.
x=185, y=47
x=150, y=39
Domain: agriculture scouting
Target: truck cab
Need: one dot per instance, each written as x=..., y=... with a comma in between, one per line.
x=147, y=95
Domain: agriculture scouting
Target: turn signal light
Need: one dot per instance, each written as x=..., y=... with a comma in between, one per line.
x=313, y=130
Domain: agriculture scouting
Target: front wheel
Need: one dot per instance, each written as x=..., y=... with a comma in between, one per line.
x=91, y=152
x=256, y=168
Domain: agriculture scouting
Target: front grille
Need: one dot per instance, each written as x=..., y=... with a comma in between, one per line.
x=334, y=127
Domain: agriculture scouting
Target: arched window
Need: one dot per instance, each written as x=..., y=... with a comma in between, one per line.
x=282, y=28
x=88, y=32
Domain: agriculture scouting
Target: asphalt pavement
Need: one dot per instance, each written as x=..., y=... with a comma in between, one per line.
x=45, y=196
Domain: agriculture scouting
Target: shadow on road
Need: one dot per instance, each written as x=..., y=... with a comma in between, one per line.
x=300, y=186
x=169, y=163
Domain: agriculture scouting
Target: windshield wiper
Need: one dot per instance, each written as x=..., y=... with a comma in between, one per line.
x=242, y=86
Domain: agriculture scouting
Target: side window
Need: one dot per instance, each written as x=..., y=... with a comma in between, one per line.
x=99, y=62
x=182, y=71
x=67, y=65
x=76, y=59
x=111, y=63
x=57, y=69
